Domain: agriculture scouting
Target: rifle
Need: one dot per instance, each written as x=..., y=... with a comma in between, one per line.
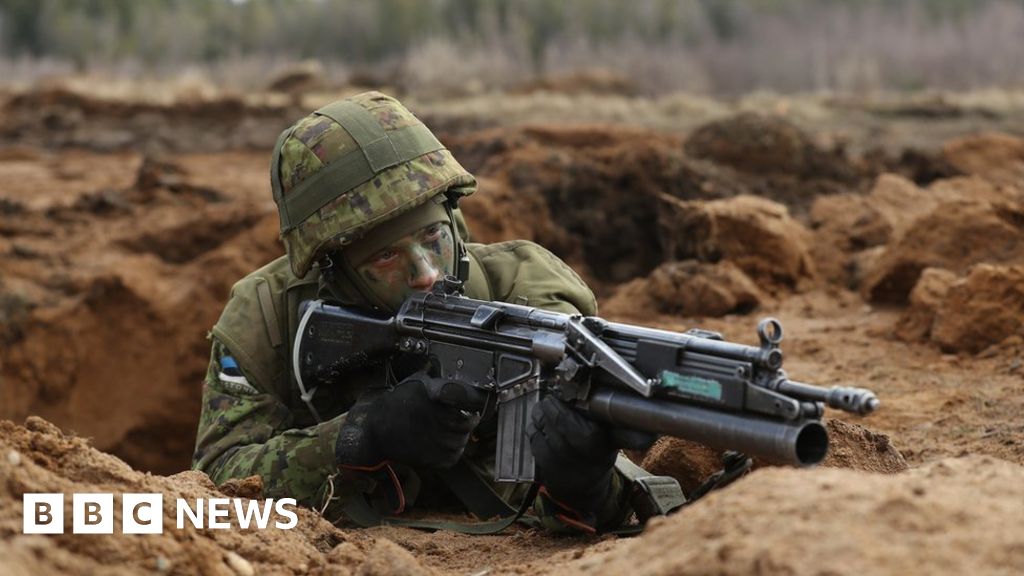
x=692, y=385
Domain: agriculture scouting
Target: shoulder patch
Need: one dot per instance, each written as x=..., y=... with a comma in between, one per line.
x=232, y=379
x=236, y=384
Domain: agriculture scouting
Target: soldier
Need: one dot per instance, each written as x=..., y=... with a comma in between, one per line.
x=367, y=200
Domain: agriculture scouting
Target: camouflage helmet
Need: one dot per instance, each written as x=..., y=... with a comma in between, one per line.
x=352, y=165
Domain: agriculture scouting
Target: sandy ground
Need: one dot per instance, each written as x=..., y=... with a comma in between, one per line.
x=886, y=235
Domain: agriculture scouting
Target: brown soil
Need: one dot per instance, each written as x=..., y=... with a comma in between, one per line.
x=756, y=234
x=994, y=156
x=783, y=521
x=981, y=310
x=58, y=116
x=688, y=288
x=39, y=458
x=114, y=264
x=596, y=81
x=107, y=302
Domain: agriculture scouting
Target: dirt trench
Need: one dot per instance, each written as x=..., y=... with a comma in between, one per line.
x=115, y=263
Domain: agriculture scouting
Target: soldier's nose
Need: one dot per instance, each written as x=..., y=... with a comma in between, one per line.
x=424, y=274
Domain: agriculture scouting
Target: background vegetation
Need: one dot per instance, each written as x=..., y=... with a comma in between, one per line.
x=706, y=46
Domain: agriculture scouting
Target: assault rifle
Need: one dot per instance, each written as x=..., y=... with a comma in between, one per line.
x=691, y=385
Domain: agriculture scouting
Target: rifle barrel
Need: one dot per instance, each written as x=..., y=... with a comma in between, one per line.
x=800, y=444
x=854, y=400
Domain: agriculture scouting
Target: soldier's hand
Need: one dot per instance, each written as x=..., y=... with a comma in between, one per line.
x=574, y=454
x=409, y=425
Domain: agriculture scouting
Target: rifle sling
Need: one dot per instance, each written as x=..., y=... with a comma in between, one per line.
x=474, y=493
x=734, y=465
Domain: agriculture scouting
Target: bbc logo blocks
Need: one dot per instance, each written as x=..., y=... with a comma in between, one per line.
x=93, y=513
x=142, y=513
x=43, y=514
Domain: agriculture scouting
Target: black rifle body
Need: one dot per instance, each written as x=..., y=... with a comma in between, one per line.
x=691, y=385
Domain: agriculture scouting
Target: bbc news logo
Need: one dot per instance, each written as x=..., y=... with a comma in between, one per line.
x=93, y=513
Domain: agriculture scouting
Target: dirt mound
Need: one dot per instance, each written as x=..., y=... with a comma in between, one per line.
x=994, y=156
x=496, y=213
x=688, y=288
x=953, y=224
x=968, y=314
x=106, y=305
x=873, y=219
x=584, y=192
x=843, y=226
x=39, y=458
x=847, y=224
x=925, y=299
x=920, y=166
x=853, y=230
x=756, y=234
x=951, y=517
x=855, y=447
x=597, y=81
x=601, y=185
x=954, y=235
x=764, y=144
x=298, y=78
x=851, y=446
x=782, y=161
x=63, y=116
x=185, y=241
x=983, y=309
x=688, y=462
x=476, y=148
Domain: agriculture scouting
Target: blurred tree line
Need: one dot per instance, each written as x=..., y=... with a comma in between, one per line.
x=703, y=45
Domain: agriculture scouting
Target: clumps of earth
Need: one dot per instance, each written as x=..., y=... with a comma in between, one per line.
x=899, y=271
x=858, y=521
x=39, y=458
x=688, y=226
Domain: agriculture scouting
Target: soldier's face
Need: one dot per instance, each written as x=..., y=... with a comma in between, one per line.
x=410, y=264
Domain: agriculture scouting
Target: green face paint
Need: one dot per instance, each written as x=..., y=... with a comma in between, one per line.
x=410, y=264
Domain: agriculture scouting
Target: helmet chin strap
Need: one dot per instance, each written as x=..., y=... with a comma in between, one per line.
x=329, y=273
x=460, y=267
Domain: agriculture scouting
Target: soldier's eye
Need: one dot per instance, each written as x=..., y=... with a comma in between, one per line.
x=432, y=232
x=384, y=257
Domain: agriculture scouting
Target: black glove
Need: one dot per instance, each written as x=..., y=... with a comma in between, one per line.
x=423, y=422
x=575, y=455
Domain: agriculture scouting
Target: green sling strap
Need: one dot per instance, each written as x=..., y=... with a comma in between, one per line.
x=476, y=495
x=655, y=496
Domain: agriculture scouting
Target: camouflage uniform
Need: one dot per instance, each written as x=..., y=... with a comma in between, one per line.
x=254, y=420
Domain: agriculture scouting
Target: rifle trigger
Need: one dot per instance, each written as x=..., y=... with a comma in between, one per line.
x=486, y=317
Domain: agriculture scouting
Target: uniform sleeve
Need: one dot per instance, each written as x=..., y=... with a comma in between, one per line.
x=244, y=431
x=524, y=272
